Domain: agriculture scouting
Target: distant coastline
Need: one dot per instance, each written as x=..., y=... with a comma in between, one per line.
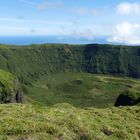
x=30, y=39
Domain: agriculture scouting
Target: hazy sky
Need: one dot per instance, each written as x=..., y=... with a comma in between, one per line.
x=117, y=20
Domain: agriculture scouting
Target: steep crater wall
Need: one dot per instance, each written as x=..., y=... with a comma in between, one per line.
x=31, y=62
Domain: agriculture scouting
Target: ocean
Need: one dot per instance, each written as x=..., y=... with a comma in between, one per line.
x=26, y=40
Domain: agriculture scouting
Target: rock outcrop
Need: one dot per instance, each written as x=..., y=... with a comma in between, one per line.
x=127, y=98
x=10, y=91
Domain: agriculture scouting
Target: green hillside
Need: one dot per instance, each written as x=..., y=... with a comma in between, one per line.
x=63, y=121
x=9, y=88
x=29, y=63
x=81, y=89
x=69, y=92
x=54, y=73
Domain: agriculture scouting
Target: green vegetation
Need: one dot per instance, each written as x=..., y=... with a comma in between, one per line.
x=53, y=74
x=132, y=95
x=9, y=87
x=7, y=79
x=29, y=63
x=81, y=89
x=35, y=65
x=63, y=121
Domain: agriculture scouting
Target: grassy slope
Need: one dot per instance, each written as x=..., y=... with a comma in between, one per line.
x=8, y=85
x=33, y=62
x=7, y=79
x=81, y=89
x=66, y=122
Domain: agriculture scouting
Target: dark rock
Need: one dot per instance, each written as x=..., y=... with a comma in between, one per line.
x=137, y=101
x=124, y=100
x=106, y=131
x=127, y=98
x=19, y=97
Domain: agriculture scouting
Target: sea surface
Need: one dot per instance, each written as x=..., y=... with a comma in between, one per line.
x=26, y=40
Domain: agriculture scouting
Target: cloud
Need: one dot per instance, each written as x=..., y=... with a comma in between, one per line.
x=86, y=33
x=35, y=21
x=126, y=8
x=60, y=38
x=4, y=30
x=46, y=5
x=94, y=12
x=81, y=11
x=29, y=2
x=19, y=26
x=128, y=33
x=21, y=17
x=32, y=30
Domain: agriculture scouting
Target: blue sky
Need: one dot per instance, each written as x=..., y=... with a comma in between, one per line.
x=116, y=20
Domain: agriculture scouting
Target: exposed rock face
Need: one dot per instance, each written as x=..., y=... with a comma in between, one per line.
x=11, y=97
x=10, y=91
x=137, y=101
x=19, y=97
x=126, y=99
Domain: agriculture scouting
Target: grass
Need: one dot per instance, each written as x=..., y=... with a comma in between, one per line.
x=29, y=63
x=8, y=87
x=7, y=79
x=80, y=89
x=65, y=122
x=58, y=73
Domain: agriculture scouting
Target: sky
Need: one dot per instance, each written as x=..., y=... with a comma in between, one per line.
x=118, y=21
